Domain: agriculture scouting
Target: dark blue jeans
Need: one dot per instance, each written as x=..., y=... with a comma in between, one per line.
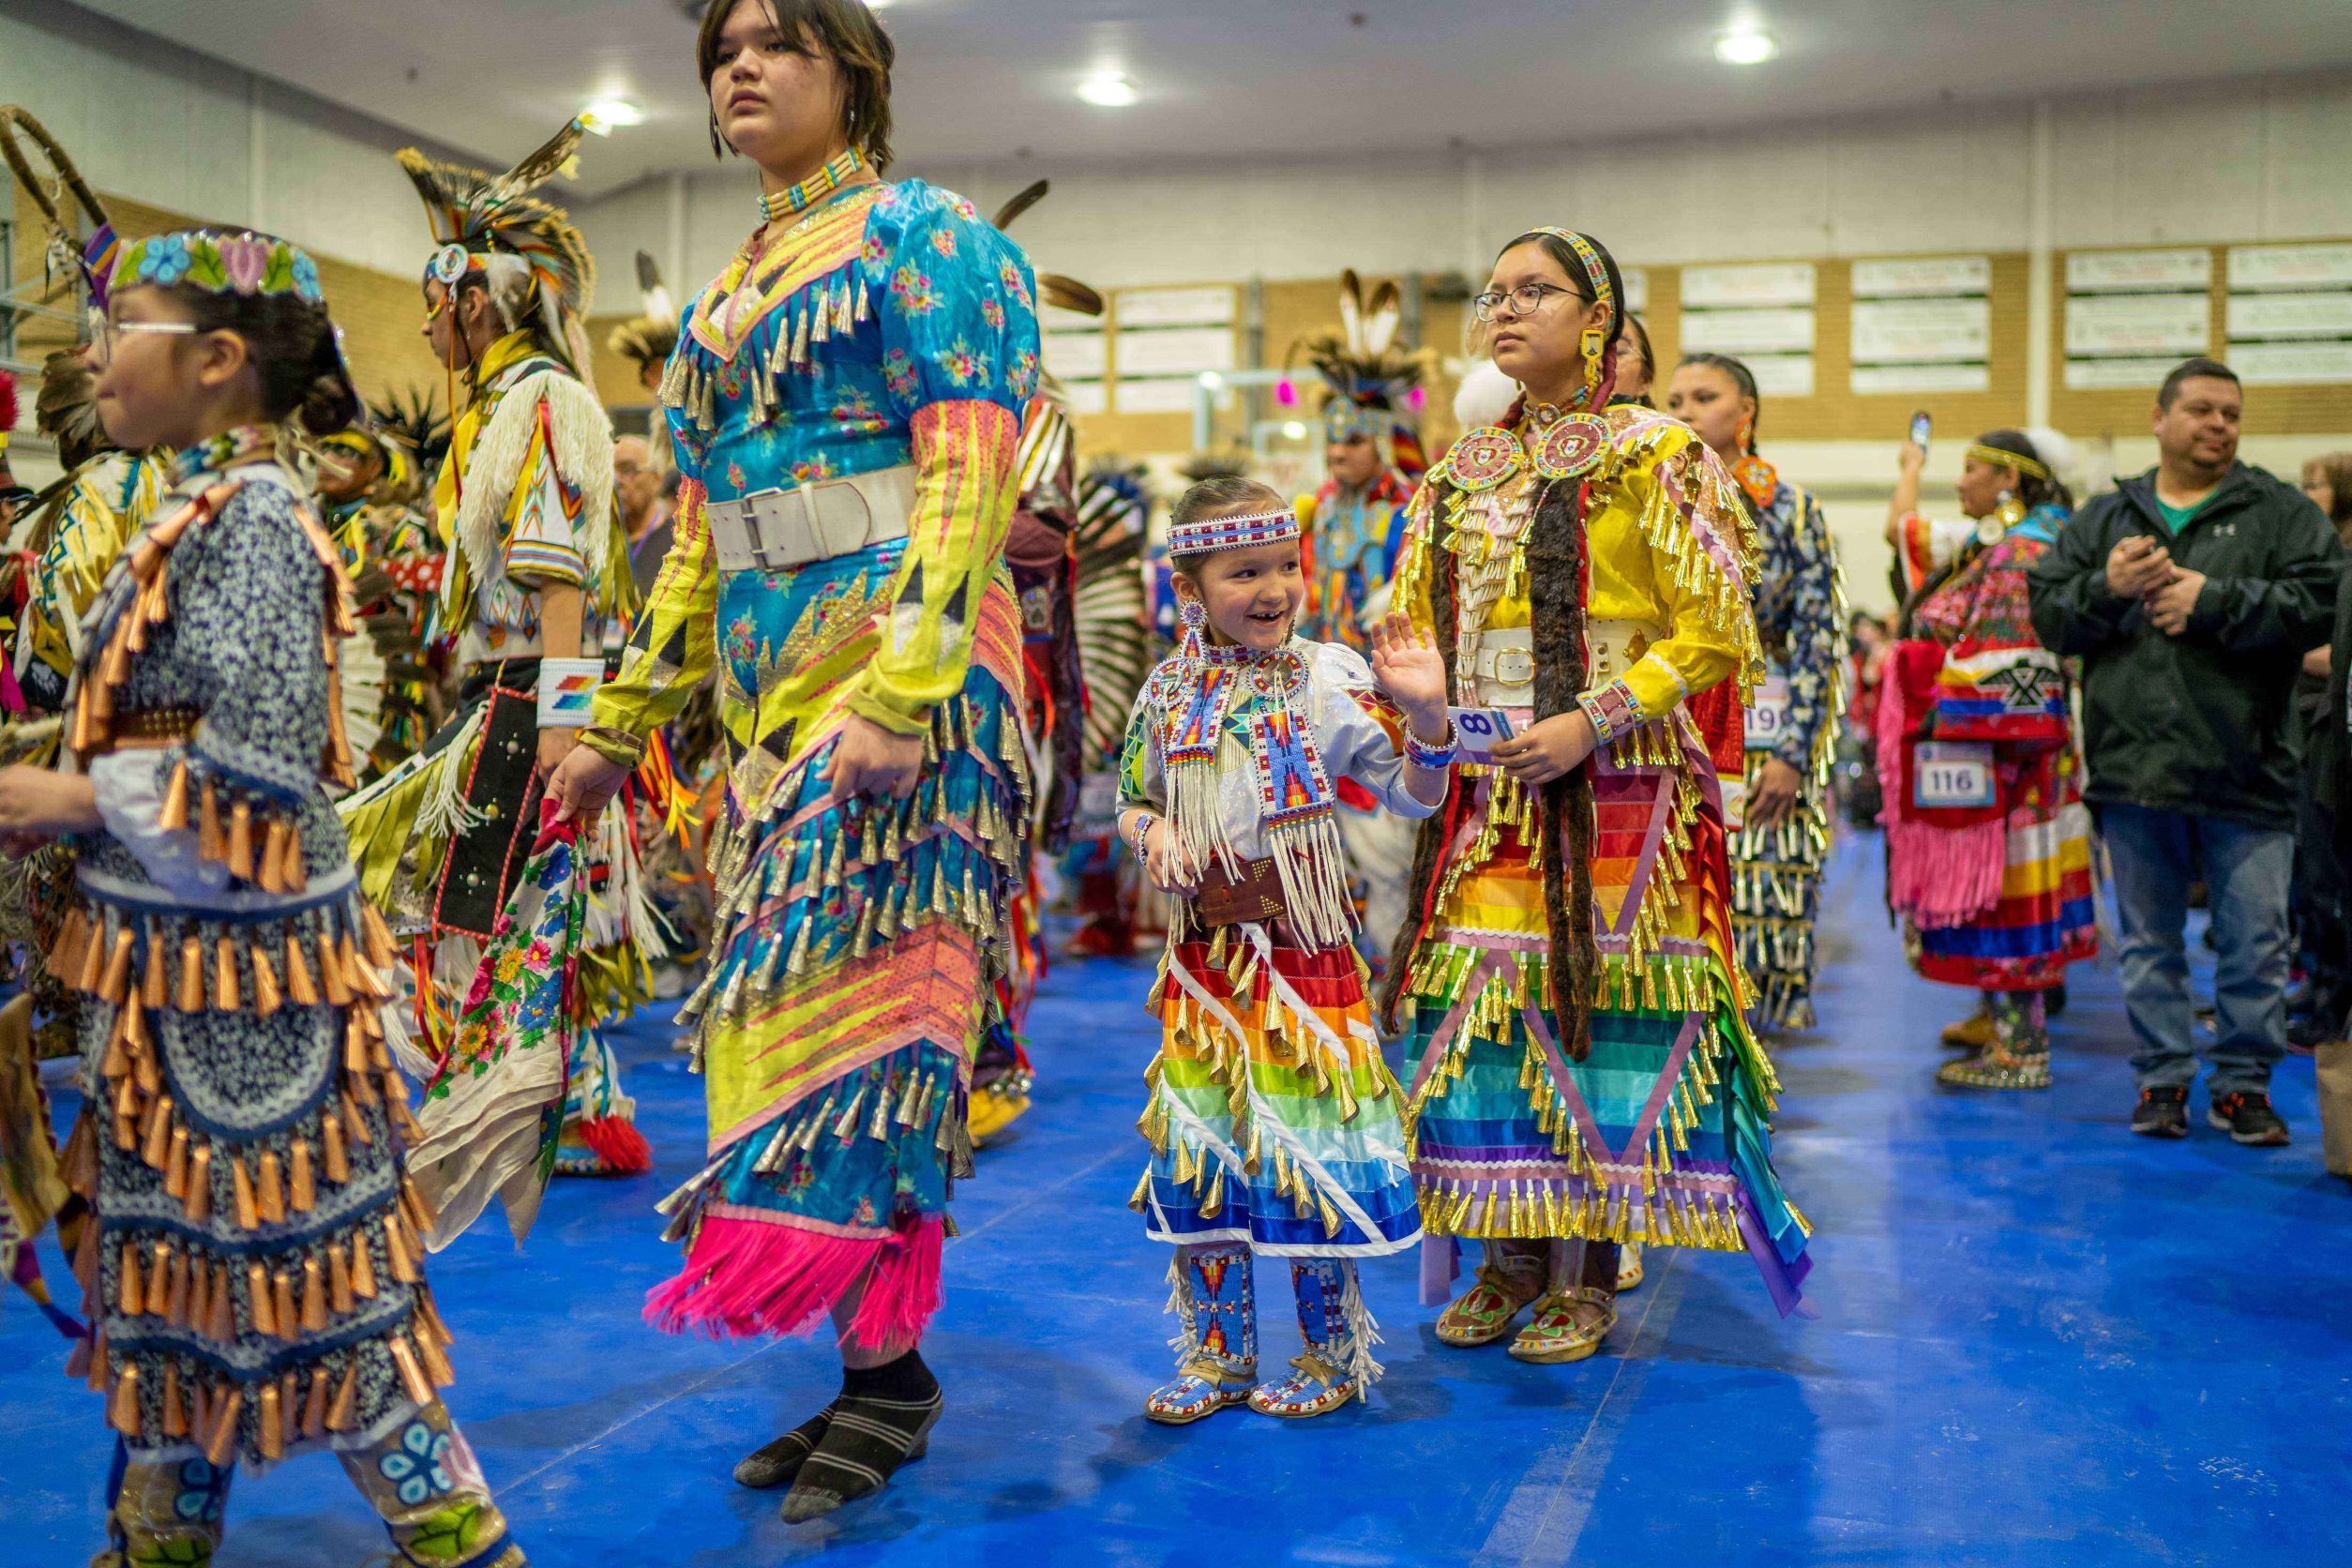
x=2156, y=854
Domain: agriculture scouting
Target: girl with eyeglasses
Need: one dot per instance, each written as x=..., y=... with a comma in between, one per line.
x=1580, y=1069
x=246, y=1229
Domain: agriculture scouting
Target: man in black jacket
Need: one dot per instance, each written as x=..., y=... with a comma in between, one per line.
x=2190, y=594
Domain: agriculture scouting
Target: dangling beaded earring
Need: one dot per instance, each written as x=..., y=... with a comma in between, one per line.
x=1758, y=478
x=2012, y=511
x=1194, y=616
x=1593, y=344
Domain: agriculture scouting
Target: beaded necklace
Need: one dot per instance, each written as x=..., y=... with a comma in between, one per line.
x=842, y=169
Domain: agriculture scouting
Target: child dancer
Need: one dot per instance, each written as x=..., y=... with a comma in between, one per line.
x=251, y=1247
x=1274, y=1124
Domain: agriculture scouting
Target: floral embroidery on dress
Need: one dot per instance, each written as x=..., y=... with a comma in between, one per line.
x=943, y=241
x=992, y=312
x=898, y=372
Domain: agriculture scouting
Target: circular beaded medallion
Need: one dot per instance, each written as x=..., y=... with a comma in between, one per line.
x=1484, y=459
x=1571, y=447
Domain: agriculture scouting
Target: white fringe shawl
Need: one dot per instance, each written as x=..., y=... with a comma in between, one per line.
x=583, y=455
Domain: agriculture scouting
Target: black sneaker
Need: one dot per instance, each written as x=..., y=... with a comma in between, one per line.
x=2249, y=1120
x=2163, y=1112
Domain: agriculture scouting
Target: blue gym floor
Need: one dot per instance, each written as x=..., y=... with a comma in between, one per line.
x=2040, y=1341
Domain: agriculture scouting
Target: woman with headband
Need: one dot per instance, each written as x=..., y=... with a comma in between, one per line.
x=1791, y=726
x=1989, y=843
x=1580, y=1065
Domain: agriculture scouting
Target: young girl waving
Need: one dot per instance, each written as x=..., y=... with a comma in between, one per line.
x=250, y=1240
x=1274, y=1124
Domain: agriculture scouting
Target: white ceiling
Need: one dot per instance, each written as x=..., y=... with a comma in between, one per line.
x=986, y=80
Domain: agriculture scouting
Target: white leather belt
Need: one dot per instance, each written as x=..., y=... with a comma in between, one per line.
x=771, y=529
x=1503, y=662
x=1504, y=665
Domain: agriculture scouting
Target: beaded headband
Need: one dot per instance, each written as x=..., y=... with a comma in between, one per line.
x=1232, y=533
x=1596, y=271
x=1996, y=456
x=243, y=263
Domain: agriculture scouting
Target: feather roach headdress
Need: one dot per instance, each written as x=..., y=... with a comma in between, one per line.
x=484, y=222
x=1370, y=383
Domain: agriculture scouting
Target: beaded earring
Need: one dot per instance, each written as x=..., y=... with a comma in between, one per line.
x=1758, y=478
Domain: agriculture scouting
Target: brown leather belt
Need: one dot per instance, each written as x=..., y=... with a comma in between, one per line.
x=1254, y=894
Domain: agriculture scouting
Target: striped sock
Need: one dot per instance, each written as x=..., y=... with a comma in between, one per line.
x=882, y=1419
x=779, y=1461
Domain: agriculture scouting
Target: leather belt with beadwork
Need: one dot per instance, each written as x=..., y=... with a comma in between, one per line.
x=1227, y=898
x=151, y=728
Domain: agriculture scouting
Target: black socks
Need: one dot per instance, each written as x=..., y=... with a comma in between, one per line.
x=882, y=1418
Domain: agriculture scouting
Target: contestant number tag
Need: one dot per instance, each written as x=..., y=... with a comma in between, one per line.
x=1481, y=730
x=1952, y=773
x=1768, y=716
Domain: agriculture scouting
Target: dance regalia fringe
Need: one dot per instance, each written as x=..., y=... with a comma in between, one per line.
x=1658, y=1131
x=1273, y=1118
x=856, y=944
x=1996, y=896
x=252, y=1251
x=1776, y=869
x=442, y=837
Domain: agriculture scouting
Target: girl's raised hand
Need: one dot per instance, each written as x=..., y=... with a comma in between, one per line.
x=1406, y=663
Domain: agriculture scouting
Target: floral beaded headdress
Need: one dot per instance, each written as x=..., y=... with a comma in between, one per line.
x=218, y=261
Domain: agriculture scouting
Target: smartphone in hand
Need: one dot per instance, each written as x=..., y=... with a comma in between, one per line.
x=1921, y=427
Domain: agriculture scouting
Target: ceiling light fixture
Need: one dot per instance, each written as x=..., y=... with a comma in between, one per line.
x=1107, y=89
x=606, y=115
x=1746, y=47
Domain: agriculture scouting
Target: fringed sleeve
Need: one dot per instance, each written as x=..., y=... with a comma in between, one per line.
x=1702, y=548
x=960, y=356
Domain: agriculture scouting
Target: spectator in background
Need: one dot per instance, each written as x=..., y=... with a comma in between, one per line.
x=2322, y=893
x=639, y=486
x=2190, y=594
x=1858, y=748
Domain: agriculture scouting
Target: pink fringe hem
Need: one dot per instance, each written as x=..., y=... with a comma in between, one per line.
x=1943, y=877
x=746, y=1277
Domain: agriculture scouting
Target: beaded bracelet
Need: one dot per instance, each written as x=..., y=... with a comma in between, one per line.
x=1613, y=709
x=1135, y=830
x=1421, y=754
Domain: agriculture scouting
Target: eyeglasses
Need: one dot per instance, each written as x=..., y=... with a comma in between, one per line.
x=110, y=333
x=1526, y=300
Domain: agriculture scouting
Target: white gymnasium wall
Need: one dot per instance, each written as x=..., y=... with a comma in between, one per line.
x=2239, y=160
x=2255, y=159
x=158, y=124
